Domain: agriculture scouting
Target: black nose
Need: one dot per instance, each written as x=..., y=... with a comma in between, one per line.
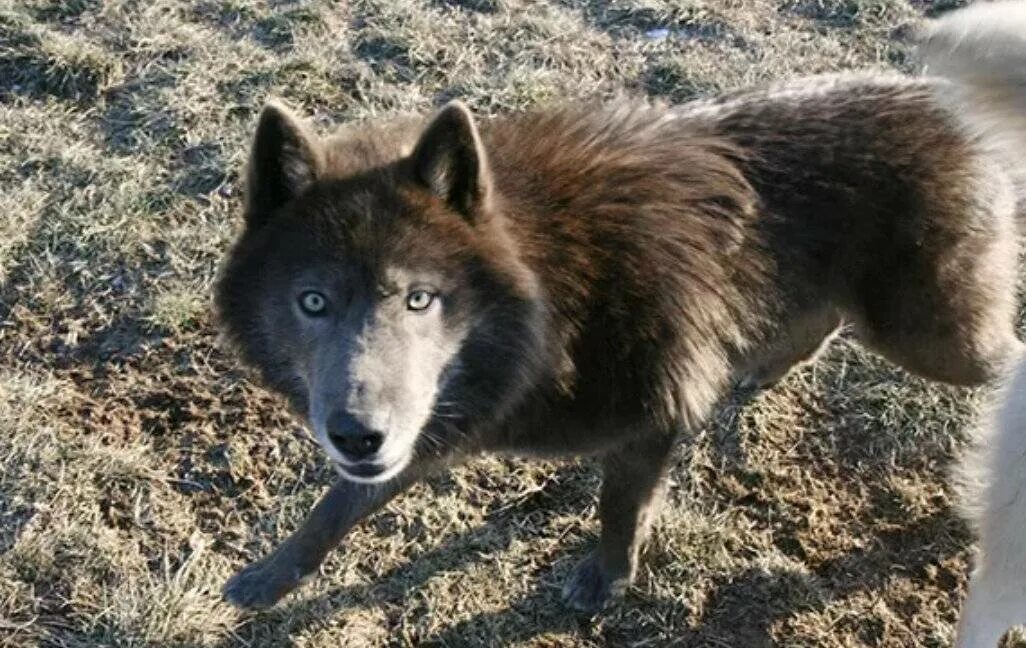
x=353, y=439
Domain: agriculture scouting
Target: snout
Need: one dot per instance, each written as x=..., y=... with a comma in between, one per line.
x=352, y=438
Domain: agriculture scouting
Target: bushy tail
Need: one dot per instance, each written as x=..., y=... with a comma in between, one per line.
x=982, y=48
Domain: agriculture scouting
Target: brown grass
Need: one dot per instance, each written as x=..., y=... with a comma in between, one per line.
x=138, y=468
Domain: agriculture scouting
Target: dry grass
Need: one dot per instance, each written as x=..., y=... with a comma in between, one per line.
x=139, y=468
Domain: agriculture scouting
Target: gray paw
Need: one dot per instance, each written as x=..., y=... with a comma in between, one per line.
x=260, y=585
x=590, y=587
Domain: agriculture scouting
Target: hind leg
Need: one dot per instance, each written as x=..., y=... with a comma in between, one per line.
x=805, y=337
x=942, y=302
x=966, y=358
x=945, y=341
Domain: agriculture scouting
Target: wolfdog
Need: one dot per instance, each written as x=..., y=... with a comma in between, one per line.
x=592, y=279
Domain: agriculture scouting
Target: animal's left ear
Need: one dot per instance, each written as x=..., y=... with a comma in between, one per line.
x=450, y=161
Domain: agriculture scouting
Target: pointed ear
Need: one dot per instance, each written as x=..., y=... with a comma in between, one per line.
x=284, y=160
x=450, y=161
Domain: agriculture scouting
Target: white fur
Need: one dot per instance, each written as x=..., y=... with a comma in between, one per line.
x=982, y=51
x=982, y=48
x=993, y=484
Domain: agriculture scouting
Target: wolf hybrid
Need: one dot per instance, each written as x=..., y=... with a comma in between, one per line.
x=592, y=279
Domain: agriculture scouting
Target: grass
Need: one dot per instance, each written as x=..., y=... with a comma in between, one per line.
x=139, y=468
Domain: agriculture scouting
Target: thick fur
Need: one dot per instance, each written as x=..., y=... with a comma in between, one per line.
x=603, y=274
x=993, y=477
x=983, y=49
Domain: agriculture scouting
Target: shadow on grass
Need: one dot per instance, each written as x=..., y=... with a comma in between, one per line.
x=449, y=554
x=625, y=20
x=274, y=30
x=744, y=608
x=741, y=609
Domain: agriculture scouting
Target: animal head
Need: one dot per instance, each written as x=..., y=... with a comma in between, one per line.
x=376, y=285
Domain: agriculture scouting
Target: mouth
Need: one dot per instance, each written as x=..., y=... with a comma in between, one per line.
x=374, y=470
x=366, y=470
x=370, y=472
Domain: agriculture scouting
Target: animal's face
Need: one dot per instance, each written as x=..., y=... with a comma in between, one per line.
x=374, y=363
x=371, y=316
x=381, y=301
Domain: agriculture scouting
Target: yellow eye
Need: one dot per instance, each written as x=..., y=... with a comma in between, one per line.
x=419, y=300
x=313, y=303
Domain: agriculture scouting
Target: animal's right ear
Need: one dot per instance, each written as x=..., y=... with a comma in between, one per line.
x=450, y=160
x=284, y=160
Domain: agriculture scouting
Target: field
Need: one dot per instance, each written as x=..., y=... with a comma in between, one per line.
x=140, y=466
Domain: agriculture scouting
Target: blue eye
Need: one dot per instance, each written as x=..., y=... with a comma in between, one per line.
x=419, y=300
x=313, y=303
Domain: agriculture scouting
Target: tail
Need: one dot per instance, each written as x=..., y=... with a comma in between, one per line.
x=982, y=49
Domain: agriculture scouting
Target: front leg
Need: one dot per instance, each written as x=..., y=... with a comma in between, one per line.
x=633, y=482
x=263, y=583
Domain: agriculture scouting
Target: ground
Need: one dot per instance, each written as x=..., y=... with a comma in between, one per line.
x=140, y=466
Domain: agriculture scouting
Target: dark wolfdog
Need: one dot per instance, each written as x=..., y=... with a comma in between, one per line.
x=593, y=279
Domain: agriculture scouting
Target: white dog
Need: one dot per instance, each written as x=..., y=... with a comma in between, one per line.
x=983, y=48
x=993, y=480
